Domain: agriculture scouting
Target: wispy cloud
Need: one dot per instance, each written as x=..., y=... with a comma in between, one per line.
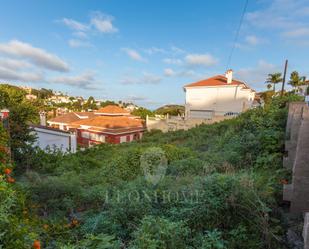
x=173, y=61
x=14, y=64
x=169, y=72
x=251, y=41
x=256, y=76
x=206, y=60
x=74, y=25
x=103, y=23
x=133, y=54
x=10, y=74
x=154, y=50
x=147, y=78
x=74, y=43
x=290, y=18
x=85, y=80
x=297, y=33
x=34, y=55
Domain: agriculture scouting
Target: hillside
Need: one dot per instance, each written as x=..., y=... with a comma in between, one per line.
x=221, y=189
x=171, y=110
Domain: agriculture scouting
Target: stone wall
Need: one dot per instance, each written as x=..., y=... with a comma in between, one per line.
x=177, y=123
x=306, y=231
x=297, y=160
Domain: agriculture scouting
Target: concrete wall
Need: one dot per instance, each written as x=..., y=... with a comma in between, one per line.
x=174, y=124
x=306, y=231
x=297, y=160
x=47, y=138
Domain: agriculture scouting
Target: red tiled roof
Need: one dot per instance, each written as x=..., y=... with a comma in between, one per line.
x=218, y=80
x=71, y=117
x=112, y=109
x=65, y=119
x=107, y=122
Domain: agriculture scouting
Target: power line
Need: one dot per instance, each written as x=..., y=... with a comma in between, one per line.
x=237, y=34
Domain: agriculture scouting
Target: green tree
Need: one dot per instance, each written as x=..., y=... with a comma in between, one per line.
x=142, y=112
x=274, y=78
x=296, y=80
x=22, y=113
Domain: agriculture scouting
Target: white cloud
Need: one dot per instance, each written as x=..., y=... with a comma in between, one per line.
x=74, y=43
x=13, y=64
x=288, y=17
x=85, y=80
x=147, y=78
x=201, y=60
x=80, y=34
x=37, y=56
x=155, y=50
x=103, y=23
x=252, y=40
x=133, y=54
x=172, y=61
x=169, y=72
x=10, y=74
x=256, y=76
x=75, y=25
x=177, y=50
x=132, y=98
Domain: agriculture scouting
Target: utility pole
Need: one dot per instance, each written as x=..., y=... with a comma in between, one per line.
x=284, y=76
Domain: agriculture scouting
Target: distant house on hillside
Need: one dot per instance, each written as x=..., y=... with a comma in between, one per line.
x=110, y=124
x=220, y=95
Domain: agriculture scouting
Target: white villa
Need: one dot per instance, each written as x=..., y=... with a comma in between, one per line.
x=220, y=95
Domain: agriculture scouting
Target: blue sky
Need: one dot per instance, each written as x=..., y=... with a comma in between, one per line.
x=145, y=51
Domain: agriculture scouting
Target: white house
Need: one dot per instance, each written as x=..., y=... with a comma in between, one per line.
x=50, y=138
x=220, y=95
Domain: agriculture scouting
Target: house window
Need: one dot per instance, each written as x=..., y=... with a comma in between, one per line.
x=123, y=139
x=85, y=134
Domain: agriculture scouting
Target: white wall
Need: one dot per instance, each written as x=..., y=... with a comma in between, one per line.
x=218, y=99
x=54, y=139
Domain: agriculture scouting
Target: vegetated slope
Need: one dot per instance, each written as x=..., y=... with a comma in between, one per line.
x=220, y=190
x=171, y=110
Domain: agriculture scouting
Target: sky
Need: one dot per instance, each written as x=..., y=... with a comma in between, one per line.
x=146, y=51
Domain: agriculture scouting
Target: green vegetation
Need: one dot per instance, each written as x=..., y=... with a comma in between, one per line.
x=221, y=190
x=173, y=110
x=22, y=113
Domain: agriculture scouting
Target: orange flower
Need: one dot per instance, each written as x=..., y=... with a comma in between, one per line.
x=10, y=179
x=284, y=181
x=36, y=244
x=7, y=171
x=74, y=222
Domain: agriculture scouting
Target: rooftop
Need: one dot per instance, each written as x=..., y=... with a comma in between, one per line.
x=71, y=117
x=218, y=80
x=112, y=110
x=107, y=122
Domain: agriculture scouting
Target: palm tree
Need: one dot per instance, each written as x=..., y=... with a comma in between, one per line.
x=296, y=80
x=274, y=78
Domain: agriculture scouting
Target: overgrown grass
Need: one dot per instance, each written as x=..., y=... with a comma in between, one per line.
x=226, y=175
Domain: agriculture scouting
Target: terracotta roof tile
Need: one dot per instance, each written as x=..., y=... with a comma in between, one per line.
x=107, y=122
x=71, y=117
x=65, y=119
x=112, y=109
x=218, y=80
